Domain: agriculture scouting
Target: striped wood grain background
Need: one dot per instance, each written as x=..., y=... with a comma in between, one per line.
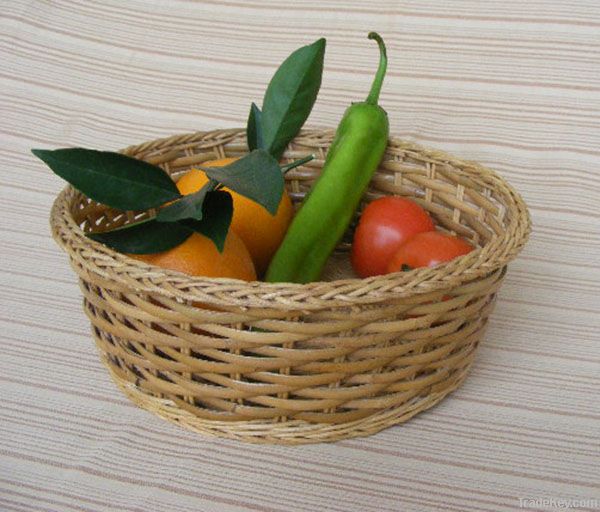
x=513, y=84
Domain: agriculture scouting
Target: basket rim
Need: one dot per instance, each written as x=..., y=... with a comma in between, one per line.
x=89, y=256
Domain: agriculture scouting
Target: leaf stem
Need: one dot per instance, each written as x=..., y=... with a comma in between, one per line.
x=296, y=163
x=215, y=185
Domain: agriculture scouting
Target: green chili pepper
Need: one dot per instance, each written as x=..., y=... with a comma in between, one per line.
x=358, y=147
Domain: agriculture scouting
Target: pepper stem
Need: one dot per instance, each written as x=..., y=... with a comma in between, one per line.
x=378, y=80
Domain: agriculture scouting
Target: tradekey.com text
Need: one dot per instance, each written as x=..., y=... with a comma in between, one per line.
x=559, y=503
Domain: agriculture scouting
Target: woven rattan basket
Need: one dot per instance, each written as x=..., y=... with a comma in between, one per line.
x=289, y=363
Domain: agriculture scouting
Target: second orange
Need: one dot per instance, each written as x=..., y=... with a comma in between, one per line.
x=260, y=231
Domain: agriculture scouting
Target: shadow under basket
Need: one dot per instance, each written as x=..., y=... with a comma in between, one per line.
x=290, y=363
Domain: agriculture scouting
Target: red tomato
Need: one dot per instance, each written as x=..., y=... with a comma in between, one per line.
x=384, y=226
x=428, y=250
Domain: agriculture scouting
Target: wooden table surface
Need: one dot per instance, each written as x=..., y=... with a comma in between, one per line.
x=512, y=84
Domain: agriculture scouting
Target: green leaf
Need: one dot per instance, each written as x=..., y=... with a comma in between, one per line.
x=256, y=176
x=188, y=207
x=291, y=95
x=148, y=236
x=405, y=267
x=113, y=179
x=254, y=133
x=216, y=219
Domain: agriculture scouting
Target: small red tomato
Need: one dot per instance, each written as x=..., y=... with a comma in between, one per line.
x=384, y=226
x=428, y=250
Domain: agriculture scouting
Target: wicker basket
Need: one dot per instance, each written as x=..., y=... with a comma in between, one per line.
x=290, y=363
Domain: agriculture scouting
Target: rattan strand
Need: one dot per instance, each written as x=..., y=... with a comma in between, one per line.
x=289, y=363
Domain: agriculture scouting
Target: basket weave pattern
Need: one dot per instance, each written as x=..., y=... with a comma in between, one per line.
x=293, y=363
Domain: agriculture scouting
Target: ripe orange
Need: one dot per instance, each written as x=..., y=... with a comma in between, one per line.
x=261, y=232
x=198, y=256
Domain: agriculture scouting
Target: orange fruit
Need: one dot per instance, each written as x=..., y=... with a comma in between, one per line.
x=198, y=256
x=261, y=232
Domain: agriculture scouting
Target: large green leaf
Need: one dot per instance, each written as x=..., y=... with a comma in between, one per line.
x=145, y=237
x=291, y=95
x=216, y=218
x=188, y=207
x=113, y=179
x=254, y=133
x=256, y=176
